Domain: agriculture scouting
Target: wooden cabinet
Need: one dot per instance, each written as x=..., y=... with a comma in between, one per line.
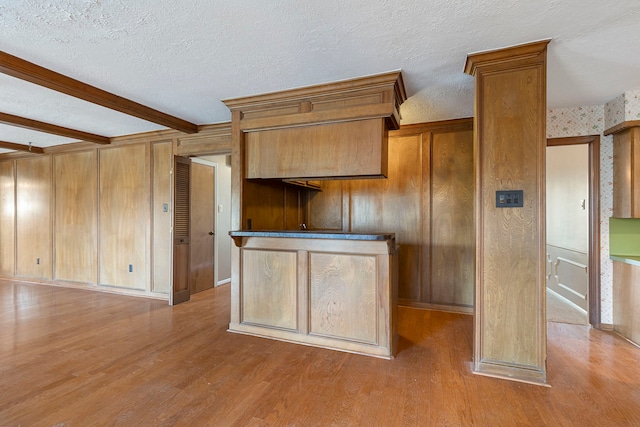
x=323, y=291
x=626, y=170
x=626, y=204
x=336, y=150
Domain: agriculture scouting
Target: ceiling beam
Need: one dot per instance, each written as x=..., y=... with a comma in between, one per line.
x=21, y=147
x=9, y=119
x=24, y=70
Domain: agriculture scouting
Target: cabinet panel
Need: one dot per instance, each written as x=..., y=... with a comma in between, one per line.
x=33, y=217
x=124, y=212
x=343, y=296
x=356, y=148
x=7, y=219
x=76, y=217
x=269, y=282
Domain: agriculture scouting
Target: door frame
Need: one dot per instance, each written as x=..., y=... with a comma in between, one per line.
x=215, y=214
x=594, y=219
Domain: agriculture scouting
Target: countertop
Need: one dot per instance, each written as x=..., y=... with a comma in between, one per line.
x=301, y=234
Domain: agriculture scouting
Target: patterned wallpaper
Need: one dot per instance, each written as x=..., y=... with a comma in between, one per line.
x=624, y=108
x=591, y=120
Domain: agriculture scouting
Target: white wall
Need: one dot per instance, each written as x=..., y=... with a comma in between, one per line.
x=223, y=217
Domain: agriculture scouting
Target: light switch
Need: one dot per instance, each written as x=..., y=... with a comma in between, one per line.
x=509, y=199
x=219, y=208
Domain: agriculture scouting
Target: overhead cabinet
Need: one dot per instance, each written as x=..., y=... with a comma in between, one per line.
x=330, y=131
x=336, y=150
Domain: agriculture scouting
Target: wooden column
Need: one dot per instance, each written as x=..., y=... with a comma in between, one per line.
x=509, y=144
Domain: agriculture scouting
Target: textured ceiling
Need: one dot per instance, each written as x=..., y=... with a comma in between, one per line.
x=183, y=56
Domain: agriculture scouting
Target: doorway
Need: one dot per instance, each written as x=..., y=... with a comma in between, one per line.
x=573, y=230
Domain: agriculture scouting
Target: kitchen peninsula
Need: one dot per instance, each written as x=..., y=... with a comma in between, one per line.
x=324, y=287
x=332, y=290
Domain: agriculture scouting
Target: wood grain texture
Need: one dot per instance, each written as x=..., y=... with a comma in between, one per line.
x=344, y=149
x=325, y=208
x=264, y=205
x=376, y=96
x=140, y=368
x=202, y=223
x=395, y=205
x=343, y=296
x=124, y=214
x=626, y=301
x=7, y=219
x=269, y=288
x=510, y=117
x=332, y=293
x=76, y=217
x=452, y=221
x=622, y=183
x=34, y=236
x=510, y=236
x=161, y=235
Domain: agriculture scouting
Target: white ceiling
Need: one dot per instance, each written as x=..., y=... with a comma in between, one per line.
x=183, y=56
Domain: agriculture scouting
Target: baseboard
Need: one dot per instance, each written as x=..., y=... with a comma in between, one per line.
x=567, y=301
x=224, y=282
x=525, y=374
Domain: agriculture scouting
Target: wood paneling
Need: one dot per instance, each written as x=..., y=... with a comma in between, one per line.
x=510, y=117
x=76, y=218
x=134, y=189
x=7, y=219
x=161, y=235
x=626, y=300
x=202, y=224
x=342, y=296
x=124, y=215
x=33, y=218
x=452, y=222
x=293, y=208
x=357, y=148
x=325, y=208
x=395, y=205
x=263, y=206
x=269, y=288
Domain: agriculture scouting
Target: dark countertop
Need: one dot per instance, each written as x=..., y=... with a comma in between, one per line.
x=339, y=235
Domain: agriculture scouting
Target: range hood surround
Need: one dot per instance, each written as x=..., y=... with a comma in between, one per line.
x=329, y=131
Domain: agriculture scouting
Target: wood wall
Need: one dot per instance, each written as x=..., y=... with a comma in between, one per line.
x=427, y=201
x=93, y=216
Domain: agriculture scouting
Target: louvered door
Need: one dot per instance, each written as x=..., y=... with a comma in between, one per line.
x=181, y=230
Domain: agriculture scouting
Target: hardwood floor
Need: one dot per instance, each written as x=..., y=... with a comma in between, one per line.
x=70, y=357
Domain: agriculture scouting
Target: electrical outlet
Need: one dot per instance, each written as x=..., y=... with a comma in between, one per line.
x=509, y=199
x=38, y=261
x=130, y=268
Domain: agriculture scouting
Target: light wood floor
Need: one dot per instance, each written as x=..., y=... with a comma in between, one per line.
x=76, y=358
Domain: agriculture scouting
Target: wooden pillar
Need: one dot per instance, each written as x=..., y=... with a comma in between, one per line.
x=509, y=145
